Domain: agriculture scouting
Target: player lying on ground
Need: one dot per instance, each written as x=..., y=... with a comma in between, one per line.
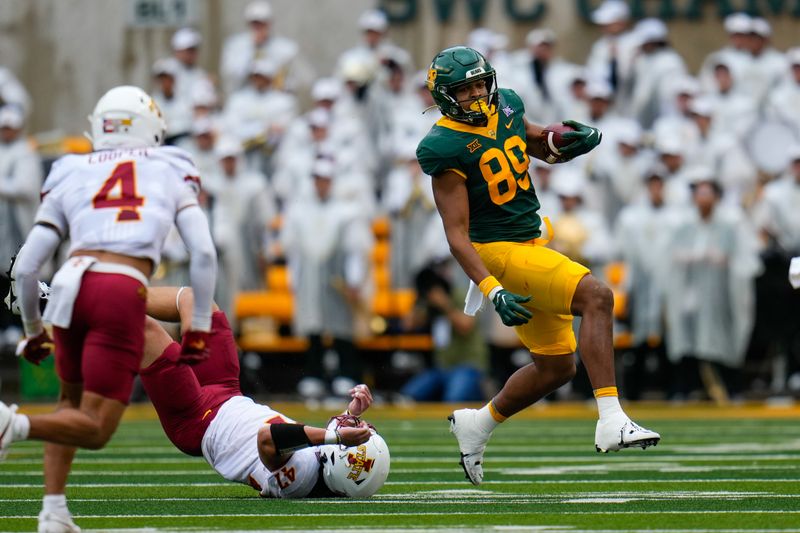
x=203, y=412
x=478, y=154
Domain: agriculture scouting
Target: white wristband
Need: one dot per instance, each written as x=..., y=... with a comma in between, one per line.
x=493, y=293
x=332, y=436
x=32, y=327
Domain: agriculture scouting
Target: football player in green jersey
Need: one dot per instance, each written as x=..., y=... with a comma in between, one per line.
x=478, y=155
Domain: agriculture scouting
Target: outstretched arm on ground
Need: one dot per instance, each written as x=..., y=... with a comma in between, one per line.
x=276, y=442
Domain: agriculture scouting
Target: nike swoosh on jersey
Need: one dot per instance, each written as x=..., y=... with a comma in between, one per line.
x=510, y=122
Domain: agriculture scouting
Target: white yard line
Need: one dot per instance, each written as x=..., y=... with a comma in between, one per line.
x=493, y=499
x=294, y=513
x=546, y=471
x=434, y=483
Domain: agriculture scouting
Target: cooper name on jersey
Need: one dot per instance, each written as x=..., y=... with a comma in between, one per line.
x=104, y=156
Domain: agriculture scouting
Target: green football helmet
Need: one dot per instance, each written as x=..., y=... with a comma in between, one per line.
x=456, y=66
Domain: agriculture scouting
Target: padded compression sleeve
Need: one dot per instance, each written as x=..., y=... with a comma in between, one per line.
x=193, y=227
x=40, y=246
x=289, y=438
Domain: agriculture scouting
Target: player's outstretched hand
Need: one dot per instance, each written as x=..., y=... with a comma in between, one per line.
x=362, y=399
x=194, y=347
x=354, y=436
x=584, y=139
x=37, y=348
x=507, y=305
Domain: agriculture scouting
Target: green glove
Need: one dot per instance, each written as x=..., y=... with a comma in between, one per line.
x=585, y=138
x=507, y=305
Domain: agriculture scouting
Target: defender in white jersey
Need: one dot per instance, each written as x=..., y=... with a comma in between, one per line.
x=116, y=206
x=203, y=412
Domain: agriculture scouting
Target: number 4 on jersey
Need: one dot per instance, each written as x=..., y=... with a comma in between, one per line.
x=119, y=191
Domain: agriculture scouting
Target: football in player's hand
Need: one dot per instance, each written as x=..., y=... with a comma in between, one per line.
x=553, y=136
x=554, y=142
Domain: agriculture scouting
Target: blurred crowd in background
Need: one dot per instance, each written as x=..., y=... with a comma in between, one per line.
x=689, y=207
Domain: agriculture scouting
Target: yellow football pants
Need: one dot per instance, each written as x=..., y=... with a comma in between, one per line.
x=550, y=279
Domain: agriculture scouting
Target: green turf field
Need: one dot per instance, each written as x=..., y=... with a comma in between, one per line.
x=736, y=470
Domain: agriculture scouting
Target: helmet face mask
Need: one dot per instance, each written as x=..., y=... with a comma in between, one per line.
x=453, y=68
x=126, y=117
x=356, y=471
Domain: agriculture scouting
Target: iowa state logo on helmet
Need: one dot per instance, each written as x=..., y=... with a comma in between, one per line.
x=360, y=463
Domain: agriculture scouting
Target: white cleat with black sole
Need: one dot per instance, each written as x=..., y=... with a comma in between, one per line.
x=622, y=432
x=471, y=442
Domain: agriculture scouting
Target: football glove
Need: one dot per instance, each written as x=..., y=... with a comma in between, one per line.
x=507, y=305
x=194, y=348
x=37, y=348
x=584, y=139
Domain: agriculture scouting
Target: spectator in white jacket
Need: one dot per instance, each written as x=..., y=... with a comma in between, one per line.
x=711, y=257
x=20, y=182
x=541, y=78
x=656, y=64
x=327, y=242
x=177, y=110
x=735, y=54
x=260, y=42
x=186, y=53
x=612, y=56
x=579, y=232
x=259, y=114
x=783, y=102
x=375, y=47
x=408, y=199
x=244, y=208
x=767, y=67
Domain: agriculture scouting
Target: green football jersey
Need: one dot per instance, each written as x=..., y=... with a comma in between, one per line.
x=492, y=159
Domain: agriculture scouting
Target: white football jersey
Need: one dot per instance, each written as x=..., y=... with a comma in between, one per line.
x=123, y=201
x=230, y=445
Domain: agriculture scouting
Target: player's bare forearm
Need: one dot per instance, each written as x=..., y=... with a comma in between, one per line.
x=347, y=436
x=534, y=136
x=452, y=201
x=273, y=457
x=161, y=303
